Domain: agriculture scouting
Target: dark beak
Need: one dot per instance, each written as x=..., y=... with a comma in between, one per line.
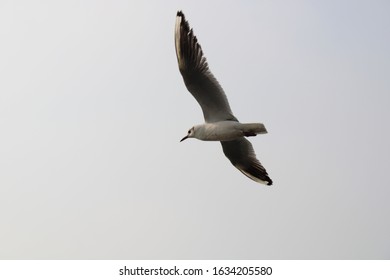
x=184, y=138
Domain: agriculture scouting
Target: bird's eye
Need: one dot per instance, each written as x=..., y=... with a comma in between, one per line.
x=189, y=131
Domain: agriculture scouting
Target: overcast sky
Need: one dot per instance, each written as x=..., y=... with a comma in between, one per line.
x=92, y=108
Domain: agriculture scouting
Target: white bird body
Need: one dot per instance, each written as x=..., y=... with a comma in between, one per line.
x=220, y=123
x=226, y=130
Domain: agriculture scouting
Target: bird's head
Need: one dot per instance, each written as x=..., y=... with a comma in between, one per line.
x=190, y=134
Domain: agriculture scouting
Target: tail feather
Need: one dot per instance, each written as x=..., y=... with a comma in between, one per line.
x=252, y=129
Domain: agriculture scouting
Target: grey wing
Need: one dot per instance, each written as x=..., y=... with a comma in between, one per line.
x=241, y=154
x=197, y=76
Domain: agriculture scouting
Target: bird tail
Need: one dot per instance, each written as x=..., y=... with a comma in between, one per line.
x=252, y=129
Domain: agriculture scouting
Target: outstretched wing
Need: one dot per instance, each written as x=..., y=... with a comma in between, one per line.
x=241, y=154
x=197, y=76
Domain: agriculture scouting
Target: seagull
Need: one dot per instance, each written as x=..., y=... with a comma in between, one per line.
x=220, y=123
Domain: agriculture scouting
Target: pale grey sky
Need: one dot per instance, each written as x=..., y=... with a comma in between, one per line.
x=92, y=108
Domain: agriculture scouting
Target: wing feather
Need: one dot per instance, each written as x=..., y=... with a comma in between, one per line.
x=241, y=154
x=197, y=76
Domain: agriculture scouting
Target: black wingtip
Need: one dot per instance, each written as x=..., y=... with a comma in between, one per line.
x=184, y=22
x=267, y=179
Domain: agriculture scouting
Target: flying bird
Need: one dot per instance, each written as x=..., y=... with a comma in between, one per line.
x=220, y=123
